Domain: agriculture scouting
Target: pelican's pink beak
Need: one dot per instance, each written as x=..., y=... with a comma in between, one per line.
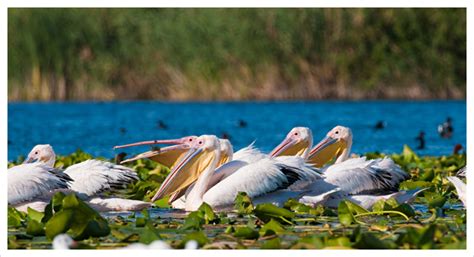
x=152, y=142
x=283, y=146
x=292, y=147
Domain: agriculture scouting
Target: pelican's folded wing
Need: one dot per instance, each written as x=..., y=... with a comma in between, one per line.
x=32, y=180
x=92, y=177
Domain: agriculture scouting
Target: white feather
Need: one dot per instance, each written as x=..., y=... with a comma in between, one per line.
x=460, y=189
x=249, y=154
x=358, y=176
x=93, y=176
x=255, y=179
x=31, y=180
x=118, y=204
x=368, y=201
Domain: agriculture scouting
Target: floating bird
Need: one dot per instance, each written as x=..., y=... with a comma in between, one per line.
x=366, y=201
x=162, y=125
x=256, y=179
x=242, y=124
x=244, y=156
x=30, y=183
x=91, y=178
x=421, y=139
x=379, y=125
x=352, y=176
x=445, y=130
x=457, y=148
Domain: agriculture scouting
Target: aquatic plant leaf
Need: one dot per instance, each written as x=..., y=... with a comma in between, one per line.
x=274, y=243
x=35, y=228
x=267, y=211
x=140, y=222
x=409, y=185
x=198, y=236
x=243, y=203
x=149, y=234
x=405, y=209
x=437, y=202
x=77, y=218
x=54, y=205
x=15, y=217
x=339, y=241
x=345, y=214
x=310, y=242
x=207, y=213
x=59, y=223
x=427, y=237
x=162, y=203
x=428, y=175
x=296, y=206
x=370, y=241
x=272, y=227
x=35, y=215
x=193, y=221
x=246, y=233
x=229, y=230
x=408, y=154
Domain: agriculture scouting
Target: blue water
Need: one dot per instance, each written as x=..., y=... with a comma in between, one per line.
x=96, y=126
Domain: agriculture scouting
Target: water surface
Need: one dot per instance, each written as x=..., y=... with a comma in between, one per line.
x=96, y=127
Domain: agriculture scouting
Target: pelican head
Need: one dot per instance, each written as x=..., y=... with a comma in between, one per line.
x=202, y=154
x=42, y=153
x=297, y=143
x=226, y=151
x=167, y=156
x=337, y=141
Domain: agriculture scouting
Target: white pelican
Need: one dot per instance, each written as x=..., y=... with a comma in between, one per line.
x=244, y=156
x=353, y=176
x=29, y=183
x=91, y=178
x=256, y=179
x=366, y=201
x=459, y=185
x=169, y=156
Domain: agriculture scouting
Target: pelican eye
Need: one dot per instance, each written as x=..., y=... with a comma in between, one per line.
x=337, y=132
x=200, y=142
x=36, y=152
x=190, y=140
x=296, y=133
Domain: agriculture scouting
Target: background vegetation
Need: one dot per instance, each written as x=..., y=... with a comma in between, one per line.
x=236, y=54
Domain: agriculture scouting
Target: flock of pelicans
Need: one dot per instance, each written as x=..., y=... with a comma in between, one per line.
x=206, y=169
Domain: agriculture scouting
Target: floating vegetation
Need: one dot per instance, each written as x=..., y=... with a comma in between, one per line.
x=435, y=220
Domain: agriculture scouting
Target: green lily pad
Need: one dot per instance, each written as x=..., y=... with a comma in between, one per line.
x=246, y=233
x=267, y=211
x=35, y=228
x=243, y=203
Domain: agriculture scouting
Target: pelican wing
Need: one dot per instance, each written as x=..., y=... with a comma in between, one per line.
x=258, y=178
x=32, y=180
x=118, y=204
x=360, y=176
x=460, y=188
x=305, y=173
x=92, y=177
